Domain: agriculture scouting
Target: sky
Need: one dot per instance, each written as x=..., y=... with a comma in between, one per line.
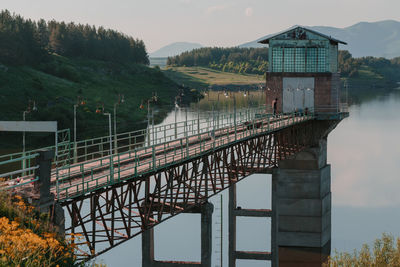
x=208, y=22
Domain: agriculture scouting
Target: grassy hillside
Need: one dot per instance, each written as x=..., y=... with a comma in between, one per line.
x=201, y=77
x=56, y=84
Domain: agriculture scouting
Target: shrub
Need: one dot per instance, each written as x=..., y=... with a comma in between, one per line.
x=384, y=253
x=28, y=239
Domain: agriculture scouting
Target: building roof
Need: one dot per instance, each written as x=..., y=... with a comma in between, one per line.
x=266, y=41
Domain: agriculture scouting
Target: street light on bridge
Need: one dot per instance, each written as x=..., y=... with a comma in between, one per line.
x=121, y=100
x=152, y=99
x=31, y=107
x=111, y=154
x=80, y=102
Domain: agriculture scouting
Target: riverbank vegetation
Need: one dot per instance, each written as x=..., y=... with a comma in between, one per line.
x=384, y=252
x=225, y=100
x=27, y=238
x=201, y=77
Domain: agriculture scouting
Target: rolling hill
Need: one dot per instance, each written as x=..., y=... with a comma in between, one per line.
x=377, y=39
x=174, y=49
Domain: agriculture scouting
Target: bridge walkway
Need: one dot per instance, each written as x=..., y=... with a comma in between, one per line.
x=77, y=179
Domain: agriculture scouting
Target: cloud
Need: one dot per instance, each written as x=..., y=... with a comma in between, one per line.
x=248, y=11
x=213, y=9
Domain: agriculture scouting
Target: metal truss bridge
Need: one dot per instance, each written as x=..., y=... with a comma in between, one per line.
x=114, y=188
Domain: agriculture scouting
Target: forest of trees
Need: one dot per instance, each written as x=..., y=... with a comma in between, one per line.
x=255, y=61
x=237, y=60
x=349, y=66
x=23, y=41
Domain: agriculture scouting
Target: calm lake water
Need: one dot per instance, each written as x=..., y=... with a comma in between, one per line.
x=364, y=151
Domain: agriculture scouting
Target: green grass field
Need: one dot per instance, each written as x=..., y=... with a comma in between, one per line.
x=199, y=77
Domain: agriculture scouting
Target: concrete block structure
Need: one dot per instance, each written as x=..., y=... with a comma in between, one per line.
x=303, y=200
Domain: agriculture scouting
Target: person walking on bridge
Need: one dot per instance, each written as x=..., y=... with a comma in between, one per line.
x=274, y=105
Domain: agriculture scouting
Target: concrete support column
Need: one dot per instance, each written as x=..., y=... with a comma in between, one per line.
x=148, y=260
x=206, y=234
x=42, y=186
x=234, y=212
x=232, y=226
x=44, y=200
x=303, y=196
x=148, y=248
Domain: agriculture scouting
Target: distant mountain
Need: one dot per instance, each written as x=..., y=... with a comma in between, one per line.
x=175, y=49
x=378, y=39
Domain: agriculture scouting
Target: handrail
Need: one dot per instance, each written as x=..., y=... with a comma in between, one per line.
x=93, y=174
x=142, y=151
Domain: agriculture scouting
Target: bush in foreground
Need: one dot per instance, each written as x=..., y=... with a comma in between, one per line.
x=384, y=253
x=28, y=239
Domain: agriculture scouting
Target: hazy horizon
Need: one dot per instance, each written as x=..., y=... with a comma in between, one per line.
x=208, y=22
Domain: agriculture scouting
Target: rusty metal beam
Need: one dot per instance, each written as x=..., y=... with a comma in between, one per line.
x=120, y=212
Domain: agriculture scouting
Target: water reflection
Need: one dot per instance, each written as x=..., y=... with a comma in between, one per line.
x=225, y=100
x=365, y=170
x=364, y=152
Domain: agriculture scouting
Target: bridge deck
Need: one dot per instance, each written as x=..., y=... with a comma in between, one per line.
x=81, y=178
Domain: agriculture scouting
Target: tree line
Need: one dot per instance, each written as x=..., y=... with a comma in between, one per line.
x=255, y=61
x=350, y=67
x=234, y=59
x=23, y=41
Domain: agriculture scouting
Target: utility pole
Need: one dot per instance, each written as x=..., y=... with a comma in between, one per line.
x=120, y=101
x=79, y=102
x=28, y=110
x=148, y=122
x=75, y=147
x=111, y=154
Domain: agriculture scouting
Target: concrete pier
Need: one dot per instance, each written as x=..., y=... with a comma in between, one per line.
x=43, y=200
x=303, y=195
x=148, y=259
x=234, y=212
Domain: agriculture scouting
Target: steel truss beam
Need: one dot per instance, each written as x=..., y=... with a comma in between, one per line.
x=105, y=218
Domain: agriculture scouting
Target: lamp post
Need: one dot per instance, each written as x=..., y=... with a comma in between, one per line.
x=234, y=110
x=154, y=98
x=75, y=147
x=148, y=122
x=121, y=100
x=247, y=106
x=79, y=102
x=175, y=128
x=28, y=110
x=111, y=154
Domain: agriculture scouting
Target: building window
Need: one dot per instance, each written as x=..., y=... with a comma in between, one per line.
x=312, y=57
x=277, y=62
x=321, y=60
x=289, y=60
x=300, y=60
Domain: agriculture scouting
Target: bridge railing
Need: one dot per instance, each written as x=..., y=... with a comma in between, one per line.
x=339, y=108
x=99, y=147
x=94, y=148
x=88, y=176
x=11, y=171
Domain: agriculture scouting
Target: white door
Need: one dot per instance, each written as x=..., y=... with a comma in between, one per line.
x=298, y=94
